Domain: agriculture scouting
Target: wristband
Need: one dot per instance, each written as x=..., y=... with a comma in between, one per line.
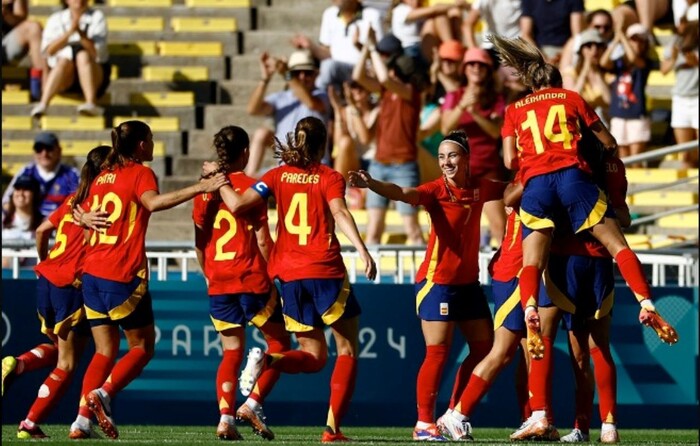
x=529, y=309
x=648, y=305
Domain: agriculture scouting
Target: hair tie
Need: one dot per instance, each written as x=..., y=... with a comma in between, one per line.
x=457, y=144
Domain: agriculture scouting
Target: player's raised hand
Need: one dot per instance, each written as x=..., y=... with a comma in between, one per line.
x=370, y=266
x=359, y=178
x=663, y=329
x=214, y=183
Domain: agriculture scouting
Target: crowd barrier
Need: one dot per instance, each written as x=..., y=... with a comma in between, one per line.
x=657, y=383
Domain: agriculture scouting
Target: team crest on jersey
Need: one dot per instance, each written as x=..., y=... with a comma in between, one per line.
x=444, y=309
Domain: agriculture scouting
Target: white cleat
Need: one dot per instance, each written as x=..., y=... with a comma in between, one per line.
x=452, y=428
x=575, y=436
x=252, y=370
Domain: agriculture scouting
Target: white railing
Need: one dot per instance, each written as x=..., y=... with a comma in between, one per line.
x=396, y=263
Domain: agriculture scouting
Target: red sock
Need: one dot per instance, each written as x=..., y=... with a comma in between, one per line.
x=428, y=381
x=606, y=380
x=477, y=351
x=540, y=377
x=268, y=378
x=342, y=388
x=473, y=393
x=632, y=272
x=226, y=381
x=97, y=372
x=43, y=355
x=529, y=285
x=49, y=394
x=126, y=370
x=296, y=361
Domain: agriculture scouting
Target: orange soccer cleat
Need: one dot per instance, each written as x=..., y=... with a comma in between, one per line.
x=535, y=345
x=663, y=329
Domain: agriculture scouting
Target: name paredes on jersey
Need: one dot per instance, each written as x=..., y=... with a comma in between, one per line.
x=109, y=178
x=539, y=97
x=300, y=178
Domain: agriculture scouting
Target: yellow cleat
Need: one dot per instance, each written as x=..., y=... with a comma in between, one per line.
x=663, y=329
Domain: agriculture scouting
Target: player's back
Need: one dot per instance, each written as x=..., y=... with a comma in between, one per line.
x=118, y=252
x=306, y=245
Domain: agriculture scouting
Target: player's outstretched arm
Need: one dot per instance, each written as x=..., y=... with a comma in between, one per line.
x=154, y=202
x=391, y=191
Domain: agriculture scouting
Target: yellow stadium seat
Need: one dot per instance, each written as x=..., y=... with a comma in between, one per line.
x=170, y=73
x=656, y=79
x=191, y=49
x=684, y=220
x=84, y=123
x=44, y=2
x=638, y=241
x=17, y=147
x=360, y=216
x=393, y=238
x=141, y=3
x=156, y=123
x=203, y=24
x=652, y=176
x=692, y=173
x=217, y=3
x=114, y=73
x=15, y=97
x=81, y=147
x=164, y=99
x=12, y=168
x=10, y=72
x=116, y=23
x=16, y=122
x=609, y=5
x=659, y=32
x=142, y=48
x=658, y=103
x=77, y=99
x=393, y=218
x=39, y=18
x=665, y=198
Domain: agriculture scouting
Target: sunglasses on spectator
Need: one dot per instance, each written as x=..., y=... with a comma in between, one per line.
x=41, y=147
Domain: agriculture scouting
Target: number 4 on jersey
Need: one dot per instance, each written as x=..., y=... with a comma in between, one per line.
x=299, y=205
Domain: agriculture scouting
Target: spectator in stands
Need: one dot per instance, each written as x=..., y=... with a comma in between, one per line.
x=629, y=123
x=344, y=27
x=651, y=13
x=75, y=41
x=298, y=100
x=56, y=180
x=600, y=20
x=550, y=24
x=397, y=130
x=478, y=109
x=587, y=78
x=502, y=17
x=420, y=27
x=682, y=56
x=21, y=217
x=19, y=37
x=445, y=73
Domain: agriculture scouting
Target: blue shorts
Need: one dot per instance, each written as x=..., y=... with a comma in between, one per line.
x=403, y=174
x=570, y=189
x=436, y=302
x=60, y=309
x=108, y=302
x=508, y=309
x=582, y=286
x=236, y=310
x=314, y=303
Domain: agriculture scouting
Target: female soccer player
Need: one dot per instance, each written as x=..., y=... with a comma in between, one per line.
x=307, y=263
x=115, y=271
x=448, y=293
x=546, y=125
x=233, y=252
x=60, y=299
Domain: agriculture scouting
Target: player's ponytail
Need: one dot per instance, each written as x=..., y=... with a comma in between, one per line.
x=528, y=61
x=125, y=142
x=229, y=143
x=306, y=146
x=92, y=167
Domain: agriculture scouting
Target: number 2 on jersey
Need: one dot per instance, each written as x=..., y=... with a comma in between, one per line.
x=299, y=205
x=228, y=235
x=556, y=113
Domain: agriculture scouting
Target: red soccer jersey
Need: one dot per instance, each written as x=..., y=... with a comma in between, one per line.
x=64, y=263
x=507, y=262
x=118, y=252
x=585, y=244
x=232, y=260
x=306, y=245
x=452, y=256
x=546, y=127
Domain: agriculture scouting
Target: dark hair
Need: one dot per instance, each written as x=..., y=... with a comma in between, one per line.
x=92, y=167
x=460, y=138
x=37, y=217
x=125, y=140
x=595, y=12
x=528, y=62
x=688, y=37
x=306, y=146
x=230, y=142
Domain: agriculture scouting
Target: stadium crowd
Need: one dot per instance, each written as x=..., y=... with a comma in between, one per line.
x=403, y=105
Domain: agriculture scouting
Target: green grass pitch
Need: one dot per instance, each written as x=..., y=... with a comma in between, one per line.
x=302, y=436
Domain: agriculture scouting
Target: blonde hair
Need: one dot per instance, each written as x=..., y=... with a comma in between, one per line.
x=528, y=61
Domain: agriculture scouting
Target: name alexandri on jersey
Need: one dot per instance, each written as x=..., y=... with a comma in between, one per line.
x=539, y=97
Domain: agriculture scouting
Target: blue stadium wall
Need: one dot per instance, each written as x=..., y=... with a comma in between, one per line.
x=657, y=384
